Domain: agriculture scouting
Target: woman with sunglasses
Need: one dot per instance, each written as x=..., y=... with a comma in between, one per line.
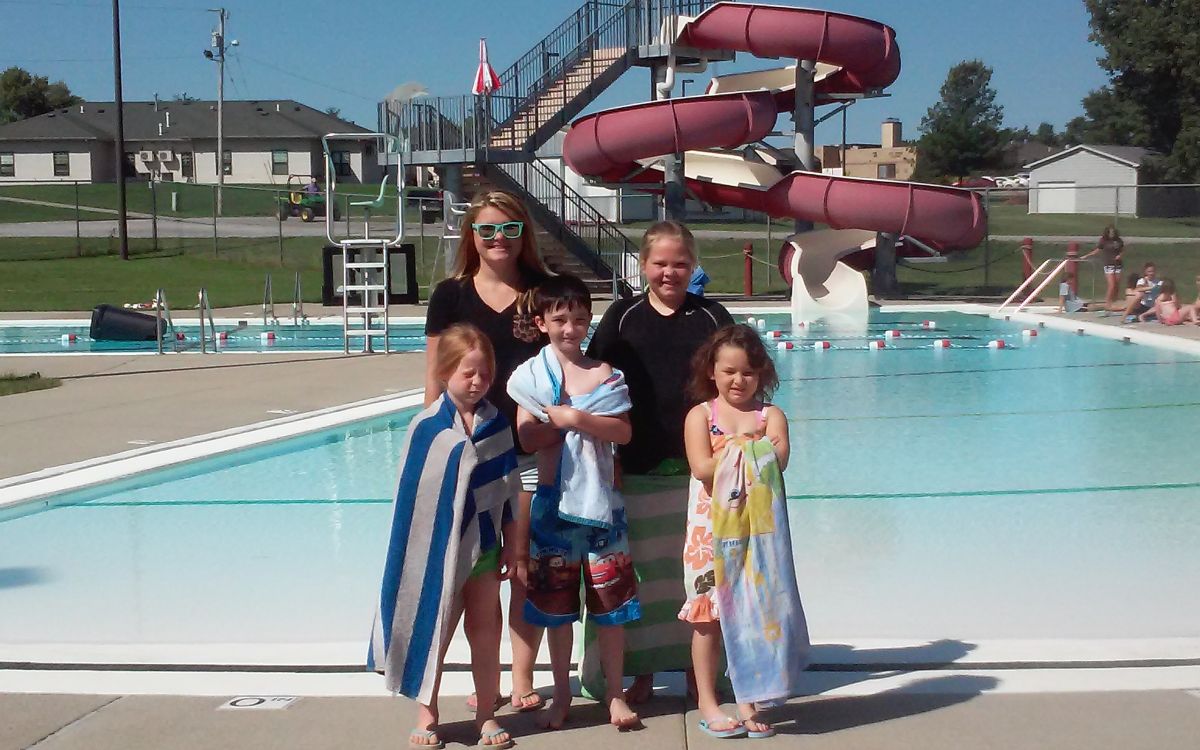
x=495, y=272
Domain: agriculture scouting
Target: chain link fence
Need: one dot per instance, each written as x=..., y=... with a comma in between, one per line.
x=262, y=229
x=177, y=238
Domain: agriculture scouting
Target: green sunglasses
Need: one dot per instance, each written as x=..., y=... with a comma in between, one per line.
x=510, y=229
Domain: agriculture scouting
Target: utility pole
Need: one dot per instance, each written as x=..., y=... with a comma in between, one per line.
x=218, y=43
x=122, y=226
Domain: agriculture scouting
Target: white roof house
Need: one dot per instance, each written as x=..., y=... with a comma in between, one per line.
x=1087, y=179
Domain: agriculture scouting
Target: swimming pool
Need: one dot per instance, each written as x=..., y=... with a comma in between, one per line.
x=1040, y=493
x=71, y=337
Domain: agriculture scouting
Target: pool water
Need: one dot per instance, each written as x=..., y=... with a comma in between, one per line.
x=1047, y=490
x=74, y=338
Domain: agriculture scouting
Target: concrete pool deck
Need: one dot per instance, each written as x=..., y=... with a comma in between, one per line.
x=107, y=402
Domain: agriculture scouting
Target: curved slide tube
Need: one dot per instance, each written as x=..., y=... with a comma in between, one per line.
x=618, y=145
x=822, y=285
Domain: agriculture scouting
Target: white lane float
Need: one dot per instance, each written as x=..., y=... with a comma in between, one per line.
x=996, y=344
x=67, y=339
x=876, y=345
x=821, y=346
x=785, y=346
x=941, y=344
x=929, y=325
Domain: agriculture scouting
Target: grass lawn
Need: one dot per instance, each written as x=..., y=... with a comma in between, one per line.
x=1015, y=219
x=10, y=384
x=236, y=275
x=964, y=275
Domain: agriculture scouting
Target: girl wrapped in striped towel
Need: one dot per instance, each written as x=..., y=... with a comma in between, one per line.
x=449, y=546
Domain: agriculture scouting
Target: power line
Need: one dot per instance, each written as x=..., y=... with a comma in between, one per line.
x=315, y=82
x=76, y=6
x=153, y=58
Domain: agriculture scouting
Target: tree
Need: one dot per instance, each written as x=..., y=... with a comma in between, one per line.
x=1152, y=56
x=333, y=111
x=962, y=132
x=1045, y=134
x=184, y=97
x=23, y=95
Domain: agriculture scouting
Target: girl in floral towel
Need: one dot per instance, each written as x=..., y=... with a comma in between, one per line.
x=738, y=572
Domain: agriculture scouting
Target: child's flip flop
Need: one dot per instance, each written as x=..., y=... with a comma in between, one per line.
x=769, y=732
x=428, y=734
x=521, y=707
x=723, y=734
x=492, y=736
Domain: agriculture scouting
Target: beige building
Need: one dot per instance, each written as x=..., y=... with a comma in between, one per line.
x=890, y=160
x=265, y=141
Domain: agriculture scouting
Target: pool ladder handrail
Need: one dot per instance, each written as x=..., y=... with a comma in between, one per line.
x=1062, y=264
x=160, y=307
x=298, y=316
x=268, y=304
x=206, y=311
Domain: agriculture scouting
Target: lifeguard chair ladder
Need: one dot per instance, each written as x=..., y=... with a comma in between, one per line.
x=366, y=275
x=1033, y=277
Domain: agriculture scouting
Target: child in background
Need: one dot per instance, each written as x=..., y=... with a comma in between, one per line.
x=577, y=525
x=1191, y=313
x=449, y=537
x=1067, y=301
x=738, y=572
x=1166, y=306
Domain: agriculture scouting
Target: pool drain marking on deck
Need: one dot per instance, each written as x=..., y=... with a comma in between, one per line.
x=259, y=702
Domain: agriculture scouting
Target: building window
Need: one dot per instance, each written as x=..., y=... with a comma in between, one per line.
x=129, y=165
x=186, y=167
x=886, y=171
x=227, y=162
x=341, y=164
x=62, y=164
x=8, y=164
x=279, y=161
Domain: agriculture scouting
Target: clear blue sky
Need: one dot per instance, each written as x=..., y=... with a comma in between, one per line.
x=295, y=49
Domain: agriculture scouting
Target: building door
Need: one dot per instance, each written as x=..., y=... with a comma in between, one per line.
x=1056, y=197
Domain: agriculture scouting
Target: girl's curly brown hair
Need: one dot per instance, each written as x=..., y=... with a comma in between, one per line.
x=701, y=386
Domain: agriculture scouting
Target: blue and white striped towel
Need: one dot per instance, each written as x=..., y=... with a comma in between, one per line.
x=454, y=491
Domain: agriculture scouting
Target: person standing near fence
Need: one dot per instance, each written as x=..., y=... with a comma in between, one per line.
x=1112, y=247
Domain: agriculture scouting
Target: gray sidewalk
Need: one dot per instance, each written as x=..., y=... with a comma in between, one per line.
x=1168, y=720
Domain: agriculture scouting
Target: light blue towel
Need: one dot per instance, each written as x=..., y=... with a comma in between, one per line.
x=586, y=473
x=450, y=484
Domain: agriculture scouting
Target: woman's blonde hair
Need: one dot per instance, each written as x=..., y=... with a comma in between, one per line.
x=456, y=342
x=672, y=230
x=466, y=263
x=529, y=262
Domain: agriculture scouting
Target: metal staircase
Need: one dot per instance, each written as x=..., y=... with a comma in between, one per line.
x=539, y=94
x=598, y=247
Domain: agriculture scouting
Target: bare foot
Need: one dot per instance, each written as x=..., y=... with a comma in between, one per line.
x=641, y=690
x=556, y=715
x=424, y=734
x=491, y=734
x=620, y=715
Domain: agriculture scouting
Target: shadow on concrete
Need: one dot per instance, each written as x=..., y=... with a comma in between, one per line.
x=841, y=657
x=11, y=578
x=826, y=715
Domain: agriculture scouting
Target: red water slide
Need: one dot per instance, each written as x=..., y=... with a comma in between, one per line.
x=607, y=145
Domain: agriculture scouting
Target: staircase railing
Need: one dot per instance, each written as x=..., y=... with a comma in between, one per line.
x=466, y=123
x=576, y=223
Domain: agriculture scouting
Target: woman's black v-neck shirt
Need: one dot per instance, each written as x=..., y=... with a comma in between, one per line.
x=457, y=301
